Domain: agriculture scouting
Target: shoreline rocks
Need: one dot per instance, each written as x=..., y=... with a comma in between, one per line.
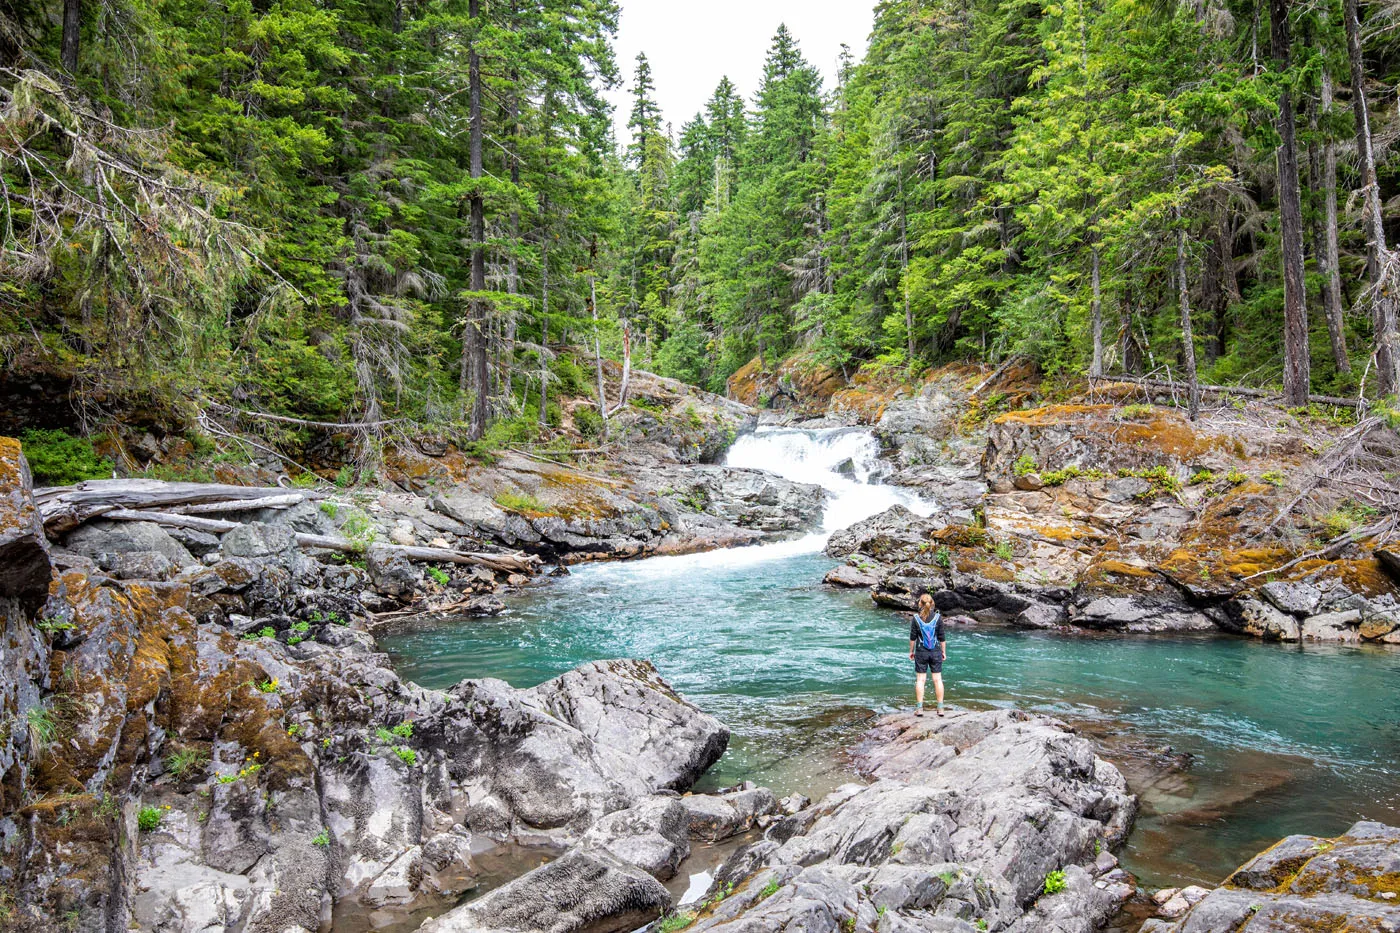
x=962, y=824
x=1301, y=883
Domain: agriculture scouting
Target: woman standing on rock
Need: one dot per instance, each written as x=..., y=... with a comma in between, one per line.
x=929, y=649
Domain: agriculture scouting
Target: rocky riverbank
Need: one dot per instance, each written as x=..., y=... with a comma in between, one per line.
x=1095, y=515
x=168, y=767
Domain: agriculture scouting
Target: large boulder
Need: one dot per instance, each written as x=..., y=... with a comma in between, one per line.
x=101, y=541
x=964, y=819
x=24, y=550
x=1305, y=883
x=584, y=891
x=892, y=536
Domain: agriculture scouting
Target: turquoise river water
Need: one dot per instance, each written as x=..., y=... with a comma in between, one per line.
x=1231, y=743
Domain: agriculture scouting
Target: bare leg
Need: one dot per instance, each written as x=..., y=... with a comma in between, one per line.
x=938, y=691
x=919, y=689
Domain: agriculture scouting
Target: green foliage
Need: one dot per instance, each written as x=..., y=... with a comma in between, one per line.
x=403, y=730
x=1201, y=477
x=1024, y=465
x=1160, y=478
x=671, y=923
x=769, y=889
x=1065, y=474
x=186, y=762
x=1003, y=549
x=438, y=576
x=943, y=557
x=1235, y=477
x=321, y=839
x=148, y=819
x=1273, y=477
x=50, y=625
x=588, y=421
x=407, y=755
x=1135, y=412
x=1054, y=882
x=519, y=502
x=56, y=458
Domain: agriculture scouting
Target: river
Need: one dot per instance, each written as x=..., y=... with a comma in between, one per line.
x=1281, y=739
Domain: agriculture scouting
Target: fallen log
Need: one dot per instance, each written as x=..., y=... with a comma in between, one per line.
x=245, y=505
x=64, y=508
x=1226, y=390
x=505, y=562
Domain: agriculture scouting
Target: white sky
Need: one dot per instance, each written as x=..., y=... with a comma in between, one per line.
x=691, y=45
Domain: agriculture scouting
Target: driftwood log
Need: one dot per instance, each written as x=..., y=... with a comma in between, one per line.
x=64, y=508
x=505, y=562
x=183, y=505
x=1223, y=390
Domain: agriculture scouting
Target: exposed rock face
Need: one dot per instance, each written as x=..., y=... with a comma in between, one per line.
x=965, y=818
x=1305, y=883
x=24, y=551
x=1110, y=519
x=103, y=540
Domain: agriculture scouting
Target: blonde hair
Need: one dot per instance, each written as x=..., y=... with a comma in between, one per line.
x=925, y=606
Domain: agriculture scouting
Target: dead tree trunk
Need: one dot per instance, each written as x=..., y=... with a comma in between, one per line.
x=1329, y=257
x=1188, y=340
x=1296, y=363
x=1381, y=264
x=72, y=26
x=476, y=374
x=1095, y=311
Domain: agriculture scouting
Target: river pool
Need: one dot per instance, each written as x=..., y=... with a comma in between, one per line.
x=1281, y=739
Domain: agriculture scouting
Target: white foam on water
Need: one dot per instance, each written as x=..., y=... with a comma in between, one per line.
x=819, y=457
x=804, y=456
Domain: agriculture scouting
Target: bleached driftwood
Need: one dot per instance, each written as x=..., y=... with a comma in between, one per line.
x=66, y=507
x=505, y=562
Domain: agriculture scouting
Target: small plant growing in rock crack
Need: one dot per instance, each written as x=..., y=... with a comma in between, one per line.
x=263, y=686
x=439, y=576
x=266, y=631
x=334, y=618
x=943, y=557
x=295, y=640
x=981, y=923
x=330, y=509
x=849, y=925
x=185, y=762
x=1055, y=882
x=769, y=889
x=1136, y=411
x=301, y=627
x=294, y=730
x=1235, y=478
x=403, y=730
x=407, y=755
x=1201, y=476
x=1098, y=847
x=1003, y=550
x=1024, y=465
x=148, y=819
x=1273, y=477
x=947, y=877
x=322, y=839
x=49, y=625
x=671, y=923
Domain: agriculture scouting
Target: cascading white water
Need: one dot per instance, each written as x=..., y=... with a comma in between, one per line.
x=843, y=461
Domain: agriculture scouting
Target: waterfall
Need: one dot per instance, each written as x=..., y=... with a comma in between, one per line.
x=843, y=461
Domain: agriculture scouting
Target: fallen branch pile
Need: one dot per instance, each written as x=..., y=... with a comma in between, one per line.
x=183, y=505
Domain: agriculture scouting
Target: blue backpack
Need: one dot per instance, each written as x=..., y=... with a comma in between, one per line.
x=928, y=631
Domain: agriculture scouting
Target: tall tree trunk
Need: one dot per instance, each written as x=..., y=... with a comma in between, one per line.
x=1380, y=263
x=475, y=369
x=597, y=344
x=904, y=274
x=1296, y=375
x=544, y=328
x=1331, y=253
x=1188, y=340
x=72, y=25
x=1096, y=311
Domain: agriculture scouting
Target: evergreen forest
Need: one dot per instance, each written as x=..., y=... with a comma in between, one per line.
x=374, y=212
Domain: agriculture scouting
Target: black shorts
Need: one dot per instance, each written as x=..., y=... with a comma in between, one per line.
x=928, y=663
